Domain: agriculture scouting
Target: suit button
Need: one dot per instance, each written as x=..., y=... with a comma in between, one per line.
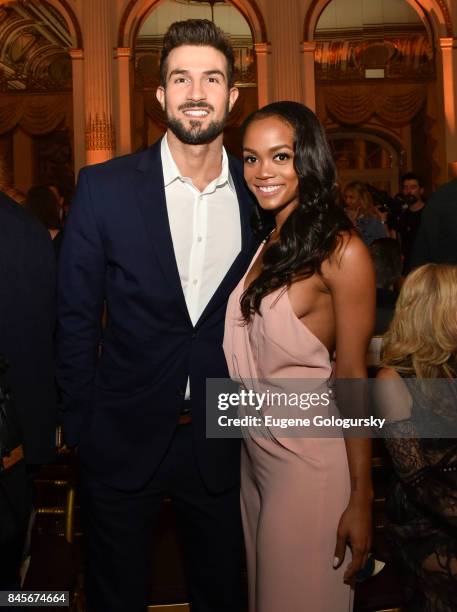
x=181, y=393
x=194, y=335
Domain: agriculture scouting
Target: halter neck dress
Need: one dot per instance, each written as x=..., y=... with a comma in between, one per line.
x=295, y=489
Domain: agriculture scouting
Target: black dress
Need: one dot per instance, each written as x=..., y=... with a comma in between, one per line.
x=422, y=505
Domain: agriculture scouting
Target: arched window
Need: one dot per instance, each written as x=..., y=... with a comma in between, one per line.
x=375, y=74
x=363, y=39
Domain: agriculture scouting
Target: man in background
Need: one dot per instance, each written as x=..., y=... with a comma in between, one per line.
x=436, y=240
x=408, y=225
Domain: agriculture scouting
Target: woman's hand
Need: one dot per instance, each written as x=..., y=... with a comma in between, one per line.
x=355, y=530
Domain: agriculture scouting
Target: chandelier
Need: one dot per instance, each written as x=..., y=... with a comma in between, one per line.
x=211, y=3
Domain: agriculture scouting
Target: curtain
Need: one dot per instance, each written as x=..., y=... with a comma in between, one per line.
x=36, y=114
x=395, y=104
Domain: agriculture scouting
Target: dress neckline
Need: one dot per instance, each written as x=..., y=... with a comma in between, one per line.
x=254, y=259
x=287, y=297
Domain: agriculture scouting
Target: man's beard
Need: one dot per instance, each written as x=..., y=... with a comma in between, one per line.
x=195, y=135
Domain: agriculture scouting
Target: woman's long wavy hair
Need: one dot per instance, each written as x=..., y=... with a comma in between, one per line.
x=312, y=231
x=422, y=337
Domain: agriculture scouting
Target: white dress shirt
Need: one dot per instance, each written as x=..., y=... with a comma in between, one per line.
x=205, y=229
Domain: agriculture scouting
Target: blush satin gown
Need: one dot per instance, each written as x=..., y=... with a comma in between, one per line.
x=293, y=490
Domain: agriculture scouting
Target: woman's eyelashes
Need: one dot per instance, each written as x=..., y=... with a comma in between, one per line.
x=249, y=159
x=282, y=156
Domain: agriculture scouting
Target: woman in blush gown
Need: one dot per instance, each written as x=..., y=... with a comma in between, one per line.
x=310, y=290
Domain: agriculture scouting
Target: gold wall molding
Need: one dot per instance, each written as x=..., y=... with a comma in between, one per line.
x=100, y=134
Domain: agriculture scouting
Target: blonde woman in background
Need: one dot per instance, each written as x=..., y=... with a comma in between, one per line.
x=421, y=343
x=363, y=213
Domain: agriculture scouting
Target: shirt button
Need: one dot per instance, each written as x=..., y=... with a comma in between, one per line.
x=199, y=239
x=195, y=281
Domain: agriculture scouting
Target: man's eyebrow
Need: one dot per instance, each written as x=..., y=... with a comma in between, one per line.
x=215, y=71
x=186, y=72
x=178, y=71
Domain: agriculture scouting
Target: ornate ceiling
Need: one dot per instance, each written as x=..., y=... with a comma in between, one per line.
x=33, y=47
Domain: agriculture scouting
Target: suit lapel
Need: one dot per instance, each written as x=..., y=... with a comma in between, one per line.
x=152, y=203
x=249, y=244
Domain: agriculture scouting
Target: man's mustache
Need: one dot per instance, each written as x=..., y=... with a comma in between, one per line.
x=191, y=105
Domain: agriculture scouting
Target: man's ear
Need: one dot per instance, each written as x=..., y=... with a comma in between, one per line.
x=160, y=95
x=233, y=97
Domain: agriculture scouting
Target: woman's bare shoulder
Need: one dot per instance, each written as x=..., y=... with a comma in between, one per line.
x=350, y=255
x=392, y=398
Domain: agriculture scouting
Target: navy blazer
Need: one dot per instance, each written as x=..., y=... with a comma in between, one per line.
x=121, y=405
x=27, y=321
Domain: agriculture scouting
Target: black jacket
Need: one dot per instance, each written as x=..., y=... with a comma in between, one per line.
x=27, y=320
x=436, y=241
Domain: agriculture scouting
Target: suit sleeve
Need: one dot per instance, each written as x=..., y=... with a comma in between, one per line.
x=428, y=234
x=421, y=250
x=81, y=279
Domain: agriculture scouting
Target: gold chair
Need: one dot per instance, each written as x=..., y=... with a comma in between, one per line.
x=56, y=482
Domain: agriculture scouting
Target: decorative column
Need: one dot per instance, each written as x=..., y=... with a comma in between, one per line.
x=98, y=87
x=79, y=118
x=449, y=62
x=124, y=119
x=309, y=80
x=285, y=38
x=263, y=56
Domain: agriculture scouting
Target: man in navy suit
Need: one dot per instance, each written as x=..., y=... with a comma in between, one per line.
x=161, y=237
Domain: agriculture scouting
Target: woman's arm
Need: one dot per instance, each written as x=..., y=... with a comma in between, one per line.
x=350, y=278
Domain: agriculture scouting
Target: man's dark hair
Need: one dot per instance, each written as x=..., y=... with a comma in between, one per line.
x=410, y=176
x=386, y=255
x=197, y=32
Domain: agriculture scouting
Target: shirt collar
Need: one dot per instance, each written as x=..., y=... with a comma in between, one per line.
x=171, y=171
